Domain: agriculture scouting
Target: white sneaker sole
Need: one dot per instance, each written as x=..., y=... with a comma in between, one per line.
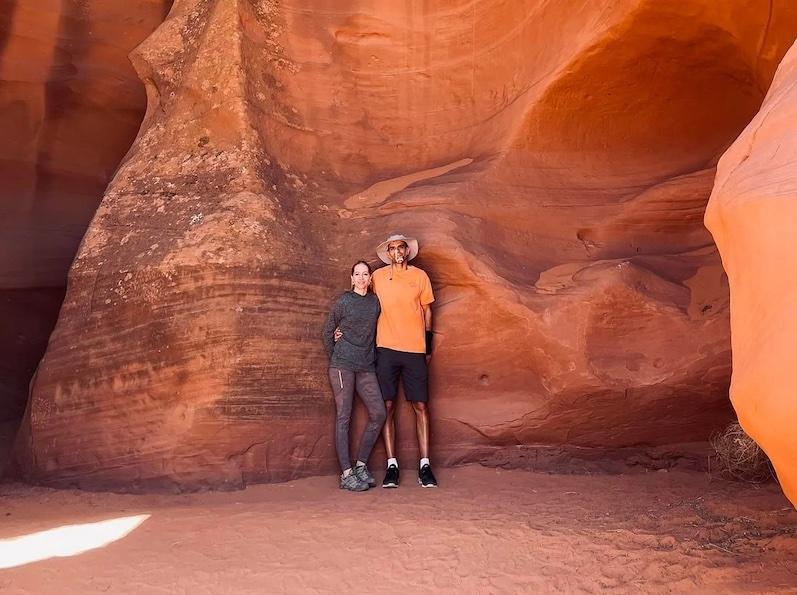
x=423, y=486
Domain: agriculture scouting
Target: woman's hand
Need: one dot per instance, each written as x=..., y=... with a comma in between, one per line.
x=338, y=334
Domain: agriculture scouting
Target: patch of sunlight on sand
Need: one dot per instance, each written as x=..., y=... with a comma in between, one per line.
x=64, y=541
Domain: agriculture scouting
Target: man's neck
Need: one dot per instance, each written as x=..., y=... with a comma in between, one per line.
x=399, y=267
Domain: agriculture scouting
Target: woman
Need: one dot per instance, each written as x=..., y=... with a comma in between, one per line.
x=352, y=356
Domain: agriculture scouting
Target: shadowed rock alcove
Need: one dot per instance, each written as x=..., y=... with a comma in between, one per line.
x=554, y=164
x=70, y=107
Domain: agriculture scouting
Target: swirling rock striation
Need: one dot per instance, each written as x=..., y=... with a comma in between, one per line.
x=554, y=165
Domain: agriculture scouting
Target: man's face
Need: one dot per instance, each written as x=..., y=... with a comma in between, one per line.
x=397, y=252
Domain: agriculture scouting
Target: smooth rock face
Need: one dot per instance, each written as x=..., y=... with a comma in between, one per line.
x=70, y=106
x=554, y=166
x=752, y=212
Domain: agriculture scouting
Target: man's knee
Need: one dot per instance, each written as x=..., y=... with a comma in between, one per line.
x=419, y=407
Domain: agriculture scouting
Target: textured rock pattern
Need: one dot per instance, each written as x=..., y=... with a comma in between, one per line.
x=752, y=214
x=554, y=165
x=70, y=106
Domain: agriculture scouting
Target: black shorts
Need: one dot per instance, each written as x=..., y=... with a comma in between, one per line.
x=411, y=367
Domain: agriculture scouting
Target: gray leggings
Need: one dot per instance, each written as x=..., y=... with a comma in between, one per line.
x=343, y=384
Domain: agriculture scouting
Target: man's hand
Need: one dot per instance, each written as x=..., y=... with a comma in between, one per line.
x=338, y=334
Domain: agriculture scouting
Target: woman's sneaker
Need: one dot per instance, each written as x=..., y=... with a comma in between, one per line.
x=352, y=483
x=364, y=475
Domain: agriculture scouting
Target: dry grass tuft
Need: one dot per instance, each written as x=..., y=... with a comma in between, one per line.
x=739, y=456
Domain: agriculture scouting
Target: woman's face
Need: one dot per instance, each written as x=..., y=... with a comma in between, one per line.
x=361, y=277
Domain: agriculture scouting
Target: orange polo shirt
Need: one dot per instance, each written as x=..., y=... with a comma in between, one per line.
x=401, y=324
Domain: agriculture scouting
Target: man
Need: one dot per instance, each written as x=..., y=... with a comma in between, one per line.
x=404, y=346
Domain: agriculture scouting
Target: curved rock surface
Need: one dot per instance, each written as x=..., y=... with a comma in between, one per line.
x=752, y=214
x=70, y=107
x=554, y=165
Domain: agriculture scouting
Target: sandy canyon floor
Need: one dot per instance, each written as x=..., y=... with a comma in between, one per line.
x=485, y=530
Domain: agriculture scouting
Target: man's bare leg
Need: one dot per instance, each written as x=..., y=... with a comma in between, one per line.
x=422, y=428
x=389, y=430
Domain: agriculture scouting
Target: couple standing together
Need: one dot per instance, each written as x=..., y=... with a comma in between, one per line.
x=376, y=333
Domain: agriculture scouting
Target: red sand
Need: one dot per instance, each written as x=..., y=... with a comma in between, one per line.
x=486, y=530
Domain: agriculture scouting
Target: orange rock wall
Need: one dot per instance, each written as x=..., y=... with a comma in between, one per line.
x=554, y=165
x=70, y=106
x=752, y=214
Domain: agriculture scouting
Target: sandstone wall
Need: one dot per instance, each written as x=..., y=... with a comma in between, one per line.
x=553, y=163
x=70, y=107
x=752, y=215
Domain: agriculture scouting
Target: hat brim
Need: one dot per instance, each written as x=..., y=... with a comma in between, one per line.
x=412, y=244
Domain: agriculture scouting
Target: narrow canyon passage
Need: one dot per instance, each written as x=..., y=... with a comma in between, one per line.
x=184, y=185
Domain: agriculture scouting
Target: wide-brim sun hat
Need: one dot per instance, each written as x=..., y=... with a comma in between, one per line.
x=412, y=244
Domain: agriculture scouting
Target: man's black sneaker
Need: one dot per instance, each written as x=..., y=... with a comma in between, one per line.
x=391, y=477
x=426, y=477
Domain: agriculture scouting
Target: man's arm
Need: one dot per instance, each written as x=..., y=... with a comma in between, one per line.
x=427, y=316
x=426, y=298
x=427, y=319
